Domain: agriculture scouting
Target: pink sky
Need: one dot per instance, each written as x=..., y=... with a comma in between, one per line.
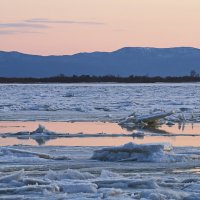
x=71, y=26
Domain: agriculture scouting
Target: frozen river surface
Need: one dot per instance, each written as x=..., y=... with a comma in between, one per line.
x=66, y=102
x=72, y=166
x=51, y=173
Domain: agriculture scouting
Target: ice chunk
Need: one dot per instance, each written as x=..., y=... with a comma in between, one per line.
x=132, y=121
x=42, y=132
x=162, y=194
x=127, y=183
x=193, y=187
x=134, y=152
x=34, y=181
x=78, y=187
x=190, y=180
x=112, y=193
x=22, y=153
x=153, y=117
x=169, y=123
x=115, y=192
x=11, y=177
x=192, y=197
x=13, y=197
x=108, y=174
x=143, y=184
x=29, y=188
x=75, y=174
x=40, y=129
x=40, y=135
x=60, y=157
x=52, y=175
x=138, y=134
x=69, y=174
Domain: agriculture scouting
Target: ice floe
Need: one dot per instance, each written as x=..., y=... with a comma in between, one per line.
x=16, y=154
x=140, y=153
x=69, y=174
x=153, y=119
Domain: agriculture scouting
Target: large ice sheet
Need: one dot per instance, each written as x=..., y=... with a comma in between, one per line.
x=61, y=102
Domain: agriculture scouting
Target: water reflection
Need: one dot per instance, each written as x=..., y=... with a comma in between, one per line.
x=96, y=134
x=63, y=127
x=182, y=128
x=195, y=170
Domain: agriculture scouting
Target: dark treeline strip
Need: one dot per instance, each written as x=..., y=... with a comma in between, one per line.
x=102, y=79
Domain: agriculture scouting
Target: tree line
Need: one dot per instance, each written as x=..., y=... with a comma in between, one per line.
x=103, y=79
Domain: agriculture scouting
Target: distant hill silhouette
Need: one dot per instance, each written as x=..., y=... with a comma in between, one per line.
x=139, y=61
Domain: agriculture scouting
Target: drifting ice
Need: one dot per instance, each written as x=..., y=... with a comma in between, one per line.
x=140, y=153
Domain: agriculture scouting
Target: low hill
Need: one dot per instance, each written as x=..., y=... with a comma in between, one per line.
x=178, y=61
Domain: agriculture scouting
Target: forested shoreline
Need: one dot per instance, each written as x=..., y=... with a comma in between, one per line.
x=102, y=79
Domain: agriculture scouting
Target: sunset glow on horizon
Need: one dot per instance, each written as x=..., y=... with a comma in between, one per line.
x=72, y=26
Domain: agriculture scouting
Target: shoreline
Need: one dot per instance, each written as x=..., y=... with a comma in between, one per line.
x=100, y=79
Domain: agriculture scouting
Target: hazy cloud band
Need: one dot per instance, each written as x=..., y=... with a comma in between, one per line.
x=27, y=26
x=49, y=21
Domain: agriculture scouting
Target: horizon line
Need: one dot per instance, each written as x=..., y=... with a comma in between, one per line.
x=89, y=52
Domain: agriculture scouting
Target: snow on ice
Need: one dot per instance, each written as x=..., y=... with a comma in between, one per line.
x=150, y=176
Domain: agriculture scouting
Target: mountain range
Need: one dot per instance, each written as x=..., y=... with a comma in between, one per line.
x=176, y=61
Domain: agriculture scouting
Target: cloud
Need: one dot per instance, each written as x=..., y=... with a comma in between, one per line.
x=23, y=25
x=28, y=26
x=7, y=32
x=10, y=32
x=49, y=21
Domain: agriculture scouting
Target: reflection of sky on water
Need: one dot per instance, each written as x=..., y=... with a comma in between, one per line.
x=195, y=170
x=97, y=127
x=182, y=128
x=63, y=127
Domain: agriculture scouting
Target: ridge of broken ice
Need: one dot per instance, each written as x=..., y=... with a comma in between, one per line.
x=19, y=185
x=158, y=152
x=87, y=179
x=68, y=174
x=40, y=129
x=16, y=154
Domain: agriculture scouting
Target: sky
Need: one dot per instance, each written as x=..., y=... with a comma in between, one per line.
x=60, y=27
